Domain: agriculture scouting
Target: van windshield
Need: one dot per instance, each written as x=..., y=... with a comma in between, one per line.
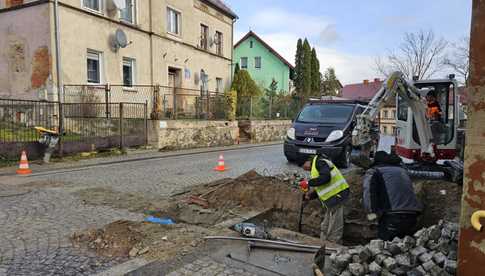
x=326, y=114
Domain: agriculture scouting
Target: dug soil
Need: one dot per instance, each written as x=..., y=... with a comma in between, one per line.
x=276, y=199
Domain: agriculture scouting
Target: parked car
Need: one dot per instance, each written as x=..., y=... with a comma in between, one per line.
x=323, y=127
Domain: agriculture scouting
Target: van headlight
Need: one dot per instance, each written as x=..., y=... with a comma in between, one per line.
x=290, y=133
x=335, y=135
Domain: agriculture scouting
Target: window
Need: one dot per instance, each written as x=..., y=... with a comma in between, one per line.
x=94, y=66
x=92, y=5
x=257, y=62
x=384, y=129
x=402, y=109
x=219, y=85
x=128, y=72
x=251, y=44
x=173, y=21
x=128, y=13
x=393, y=114
x=394, y=130
x=204, y=36
x=244, y=63
x=219, y=43
x=385, y=114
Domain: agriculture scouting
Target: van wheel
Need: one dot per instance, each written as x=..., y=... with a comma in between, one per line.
x=344, y=159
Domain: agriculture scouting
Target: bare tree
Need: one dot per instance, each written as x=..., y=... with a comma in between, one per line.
x=420, y=54
x=459, y=58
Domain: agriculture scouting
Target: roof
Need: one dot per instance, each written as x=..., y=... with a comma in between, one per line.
x=361, y=91
x=221, y=6
x=266, y=45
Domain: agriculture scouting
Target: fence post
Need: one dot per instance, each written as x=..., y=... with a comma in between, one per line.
x=208, y=105
x=121, y=126
x=146, y=123
x=61, y=130
x=107, y=89
x=174, y=112
x=270, y=107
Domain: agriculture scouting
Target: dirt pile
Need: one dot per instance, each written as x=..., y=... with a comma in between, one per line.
x=115, y=239
x=254, y=191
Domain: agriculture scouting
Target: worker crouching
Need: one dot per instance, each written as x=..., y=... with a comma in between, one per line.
x=330, y=187
x=389, y=197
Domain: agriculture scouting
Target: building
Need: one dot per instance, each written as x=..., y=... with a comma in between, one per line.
x=364, y=92
x=262, y=62
x=179, y=43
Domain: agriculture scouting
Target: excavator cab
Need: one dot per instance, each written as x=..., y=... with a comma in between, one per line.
x=442, y=114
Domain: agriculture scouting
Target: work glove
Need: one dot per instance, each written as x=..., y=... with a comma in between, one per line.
x=304, y=185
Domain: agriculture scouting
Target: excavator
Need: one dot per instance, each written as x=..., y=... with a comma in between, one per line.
x=427, y=119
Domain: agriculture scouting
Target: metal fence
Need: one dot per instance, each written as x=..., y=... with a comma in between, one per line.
x=85, y=126
x=163, y=102
x=268, y=107
x=19, y=117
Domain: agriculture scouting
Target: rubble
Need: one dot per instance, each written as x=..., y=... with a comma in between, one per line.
x=431, y=251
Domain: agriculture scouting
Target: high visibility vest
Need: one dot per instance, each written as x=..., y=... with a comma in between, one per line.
x=336, y=185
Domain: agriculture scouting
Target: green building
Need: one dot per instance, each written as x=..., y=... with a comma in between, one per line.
x=262, y=62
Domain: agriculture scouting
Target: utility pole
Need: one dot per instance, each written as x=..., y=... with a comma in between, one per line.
x=471, y=253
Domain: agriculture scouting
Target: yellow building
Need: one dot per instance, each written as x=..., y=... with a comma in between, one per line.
x=177, y=43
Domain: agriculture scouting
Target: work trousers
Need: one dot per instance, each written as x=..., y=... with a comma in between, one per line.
x=332, y=227
x=393, y=225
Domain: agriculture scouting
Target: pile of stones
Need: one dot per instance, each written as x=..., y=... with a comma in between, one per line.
x=431, y=251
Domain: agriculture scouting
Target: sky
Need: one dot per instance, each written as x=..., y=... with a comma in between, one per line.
x=349, y=34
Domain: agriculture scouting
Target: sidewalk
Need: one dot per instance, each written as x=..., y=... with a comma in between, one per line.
x=131, y=156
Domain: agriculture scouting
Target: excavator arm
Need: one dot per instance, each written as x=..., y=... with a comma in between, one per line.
x=395, y=85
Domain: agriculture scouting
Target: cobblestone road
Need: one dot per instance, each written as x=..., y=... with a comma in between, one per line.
x=35, y=224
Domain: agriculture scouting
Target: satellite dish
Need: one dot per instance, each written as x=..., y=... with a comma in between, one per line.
x=119, y=4
x=120, y=39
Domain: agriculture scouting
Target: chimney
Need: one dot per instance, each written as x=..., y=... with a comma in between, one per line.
x=377, y=80
x=366, y=82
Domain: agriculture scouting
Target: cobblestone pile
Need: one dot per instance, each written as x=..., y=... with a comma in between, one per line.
x=431, y=251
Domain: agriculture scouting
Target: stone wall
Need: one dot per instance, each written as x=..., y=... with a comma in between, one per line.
x=185, y=134
x=259, y=131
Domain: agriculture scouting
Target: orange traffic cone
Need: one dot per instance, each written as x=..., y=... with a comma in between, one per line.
x=24, y=165
x=220, y=164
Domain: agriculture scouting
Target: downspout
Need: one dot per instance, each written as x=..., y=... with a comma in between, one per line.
x=151, y=42
x=232, y=50
x=60, y=88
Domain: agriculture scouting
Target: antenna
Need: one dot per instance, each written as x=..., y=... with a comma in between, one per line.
x=119, y=40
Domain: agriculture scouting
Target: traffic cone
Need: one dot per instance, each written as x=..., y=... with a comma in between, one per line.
x=24, y=165
x=220, y=164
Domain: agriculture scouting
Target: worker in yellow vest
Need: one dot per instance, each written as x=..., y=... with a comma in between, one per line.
x=331, y=188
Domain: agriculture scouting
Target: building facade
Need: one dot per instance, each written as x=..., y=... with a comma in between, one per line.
x=262, y=62
x=365, y=91
x=177, y=43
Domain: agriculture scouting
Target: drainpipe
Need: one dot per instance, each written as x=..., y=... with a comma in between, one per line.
x=58, y=52
x=151, y=42
x=232, y=50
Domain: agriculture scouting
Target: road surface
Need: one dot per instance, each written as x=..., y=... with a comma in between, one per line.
x=36, y=220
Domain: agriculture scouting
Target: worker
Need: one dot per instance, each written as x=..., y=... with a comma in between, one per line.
x=434, y=109
x=331, y=188
x=389, y=196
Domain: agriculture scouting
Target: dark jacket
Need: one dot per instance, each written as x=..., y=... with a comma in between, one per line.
x=389, y=189
x=325, y=177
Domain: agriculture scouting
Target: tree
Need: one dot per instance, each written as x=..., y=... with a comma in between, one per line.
x=330, y=84
x=306, y=70
x=316, y=75
x=298, y=73
x=459, y=58
x=267, y=102
x=237, y=69
x=420, y=54
x=244, y=85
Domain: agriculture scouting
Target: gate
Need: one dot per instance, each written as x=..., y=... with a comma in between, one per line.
x=90, y=126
